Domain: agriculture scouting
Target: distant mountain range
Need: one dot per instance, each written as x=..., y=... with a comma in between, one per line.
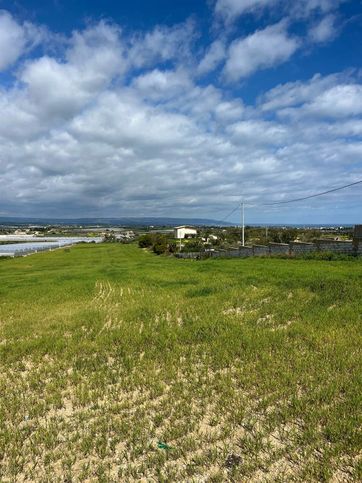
x=124, y=221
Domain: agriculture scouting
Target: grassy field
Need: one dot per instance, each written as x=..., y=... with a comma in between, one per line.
x=117, y=365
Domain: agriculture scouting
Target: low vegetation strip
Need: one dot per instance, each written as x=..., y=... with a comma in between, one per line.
x=118, y=365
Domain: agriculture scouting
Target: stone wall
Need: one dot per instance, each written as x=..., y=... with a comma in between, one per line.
x=260, y=250
x=246, y=251
x=335, y=246
x=357, y=239
x=357, y=232
x=349, y=247
x=357, y=247
x=292, y=249
x=279, y=249
x=298, y=248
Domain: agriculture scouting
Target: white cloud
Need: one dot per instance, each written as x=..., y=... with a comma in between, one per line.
x=162, y=85
x=59, y=89
x=229, y=110
x=258, y=132
x=230, y=9
x=162, y=44
x=324, y=30
x=339, y=101
x=297, y=93
x=98, y=48
x=345, y=128
x=21, y=120
x=260, y=50
x=334, y=96
x=122, y=120
x=16, y=39
x=97, y=130
x=213, y=57
x=12, y=40
x=306, y=8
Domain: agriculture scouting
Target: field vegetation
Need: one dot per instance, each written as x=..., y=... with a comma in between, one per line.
x=119, y=365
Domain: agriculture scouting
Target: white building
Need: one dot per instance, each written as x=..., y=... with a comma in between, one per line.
x=185, y=232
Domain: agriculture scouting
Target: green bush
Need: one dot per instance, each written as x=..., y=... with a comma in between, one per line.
x=172, y=247
x=146, y=241
x=160, y=247
x=158, y=243
x=193, y=246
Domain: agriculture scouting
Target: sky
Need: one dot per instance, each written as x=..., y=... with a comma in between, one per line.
x=181, y=109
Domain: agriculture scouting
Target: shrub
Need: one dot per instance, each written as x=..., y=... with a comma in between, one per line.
x=160, y=247
x=146, y=241
x=158, y=243
x=193, y=246
x=172, y=247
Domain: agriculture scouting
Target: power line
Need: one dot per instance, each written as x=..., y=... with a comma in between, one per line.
x=231, y=212
x=297, y=199
x=312, y=196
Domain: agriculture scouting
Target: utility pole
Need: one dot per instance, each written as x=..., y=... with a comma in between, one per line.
x=242, y=224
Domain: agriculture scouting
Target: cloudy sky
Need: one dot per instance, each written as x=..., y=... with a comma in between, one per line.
x=180, y=108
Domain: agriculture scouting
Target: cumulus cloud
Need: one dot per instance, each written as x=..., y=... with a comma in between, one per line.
x=259, y=132
x=162, y=85
x=260, y=50
x=16, y=39
x=334, y=96
x=297, y=93
x=162, y=44
x=120, y=124
x=338, y=101
x=58, y=89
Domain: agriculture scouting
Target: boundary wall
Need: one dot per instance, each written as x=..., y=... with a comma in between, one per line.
x=348, y=247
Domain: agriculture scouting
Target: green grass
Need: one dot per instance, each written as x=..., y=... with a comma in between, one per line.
x=247, y=370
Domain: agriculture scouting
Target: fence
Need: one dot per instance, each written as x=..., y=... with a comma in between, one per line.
x=349, y=247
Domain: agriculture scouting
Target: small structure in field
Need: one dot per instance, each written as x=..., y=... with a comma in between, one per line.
x=184, y=231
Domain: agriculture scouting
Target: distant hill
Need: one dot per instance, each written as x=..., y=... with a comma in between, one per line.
x=124, y=221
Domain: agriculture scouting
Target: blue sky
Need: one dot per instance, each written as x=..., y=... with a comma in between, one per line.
x=160, y=108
